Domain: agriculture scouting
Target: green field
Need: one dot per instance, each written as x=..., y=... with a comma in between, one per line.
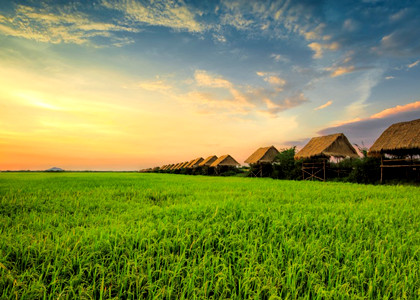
x=130, y=235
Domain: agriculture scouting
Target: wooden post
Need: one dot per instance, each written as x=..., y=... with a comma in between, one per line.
x=312, y=173
x=382, y=168
x=324, y=169
x=303, y=173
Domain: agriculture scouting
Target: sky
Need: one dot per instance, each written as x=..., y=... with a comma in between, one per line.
x=130, y=84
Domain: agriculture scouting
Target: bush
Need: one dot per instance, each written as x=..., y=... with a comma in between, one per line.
x=365, y=170
x=286, y=167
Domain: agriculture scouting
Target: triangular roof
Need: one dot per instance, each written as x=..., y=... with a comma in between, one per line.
x=194, y=163
x=189, y=163
x=398, y=138
x=336, y=145
x=179, y=166
x=225, y=160
x=182, y=166
x=263, y=155
x=176, y=166
x=208, y=161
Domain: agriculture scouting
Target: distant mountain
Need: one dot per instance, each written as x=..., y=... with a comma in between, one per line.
x=54, y=169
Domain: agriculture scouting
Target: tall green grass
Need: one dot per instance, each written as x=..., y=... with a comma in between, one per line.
x=130, y=236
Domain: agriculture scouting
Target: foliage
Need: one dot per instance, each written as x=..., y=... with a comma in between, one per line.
x=285, y=165
x=133, y=235
x=366, y=170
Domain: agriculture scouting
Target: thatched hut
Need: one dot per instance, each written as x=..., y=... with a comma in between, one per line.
x=176, y=167
x=189, y=163
x=319, y=150
x=195, y=162
x=263, y=155
x=225, y=160
x=223, y=164
x=336, y=145
x=399, y=139
x=181, y=165
x=261, y=160
x=399, y=148
x=208, y=161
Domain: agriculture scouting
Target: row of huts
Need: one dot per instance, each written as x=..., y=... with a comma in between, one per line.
x=397, y=146
x=212, y=162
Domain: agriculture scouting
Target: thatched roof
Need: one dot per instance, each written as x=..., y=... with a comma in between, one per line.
x=180, y=165
x=189, y=163
x=336, y=145
x=263, y=155
x=208, y=161
x=170, y=167
x=195, y=162
x=176, y=166
x=184, y=165
x=225, y=160
x=399, y=139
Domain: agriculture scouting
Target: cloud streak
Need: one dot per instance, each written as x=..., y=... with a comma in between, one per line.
x=171, y=14
x=59, y=26
x=328, y=103
x=367, y=130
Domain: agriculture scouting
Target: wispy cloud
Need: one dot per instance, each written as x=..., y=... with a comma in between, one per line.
x=389, y=77
x=59, y=26
x=338, y=71
x=412, y=65
x=384, y=113
x=172, y=14
x=272, y=109
x=324, y=105
x=154, y=85
x=274, y=80
x=367, y=130
x=396, y=110
x=319, y=48
x=279, y=58
x=203, y=78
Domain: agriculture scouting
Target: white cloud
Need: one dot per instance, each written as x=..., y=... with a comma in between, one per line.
x=279, y=58
x=203, y=78
x=319, y=48
x=412, y=65
x=275, y=80
x=396, y=110
x=350, y=25
x=328, y=103
x=338, y=71
x=171, y=14
x=273, y=108
x=389, y=77
x=154, y=85
x=63, y=26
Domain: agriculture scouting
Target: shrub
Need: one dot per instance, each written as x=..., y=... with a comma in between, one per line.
x=285, y=166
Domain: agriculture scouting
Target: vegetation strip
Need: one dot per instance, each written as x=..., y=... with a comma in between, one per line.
x=127, y=236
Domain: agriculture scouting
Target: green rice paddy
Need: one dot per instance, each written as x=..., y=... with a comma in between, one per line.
x=162, y=236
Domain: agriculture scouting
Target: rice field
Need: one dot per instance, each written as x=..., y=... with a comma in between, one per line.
x=162, y=236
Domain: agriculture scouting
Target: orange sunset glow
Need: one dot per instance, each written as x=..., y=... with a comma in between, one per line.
x=164, y=82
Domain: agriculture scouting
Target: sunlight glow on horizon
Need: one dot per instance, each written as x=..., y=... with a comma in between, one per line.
x=164, y=82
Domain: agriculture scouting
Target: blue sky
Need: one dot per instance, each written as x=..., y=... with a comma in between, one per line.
x=123, y=80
